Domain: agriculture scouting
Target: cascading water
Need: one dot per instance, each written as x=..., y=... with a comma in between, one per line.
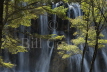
x=75, y=61
x=21, y=55
x=42, y=64
x=23, y=62
x=44, y=61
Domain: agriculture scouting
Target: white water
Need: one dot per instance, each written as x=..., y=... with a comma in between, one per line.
x=23, y=62
x=43, y=63
x=75, y=61
x=100, y=64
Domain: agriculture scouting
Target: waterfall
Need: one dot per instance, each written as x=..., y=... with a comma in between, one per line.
x=42, y=64
x=73, y=12
x=75, y=61
x=100, y=64
x=23, y=62
x=44, y=60
x=21, y=55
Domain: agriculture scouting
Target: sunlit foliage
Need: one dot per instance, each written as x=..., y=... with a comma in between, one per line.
x=20, y=12
x=95, y=14
x=2, y=63
x=66, y=50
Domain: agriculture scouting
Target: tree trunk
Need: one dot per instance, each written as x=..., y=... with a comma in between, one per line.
x=96, y=48
x=1, y=21
x=94, y=56
x=85, y=47
x=84, y=50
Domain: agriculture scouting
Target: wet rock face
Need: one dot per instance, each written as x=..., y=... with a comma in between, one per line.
x=34, y=26
x=58, y=64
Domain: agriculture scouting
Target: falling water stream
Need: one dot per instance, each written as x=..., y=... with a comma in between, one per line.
x=44, y=61
x=75, y=60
